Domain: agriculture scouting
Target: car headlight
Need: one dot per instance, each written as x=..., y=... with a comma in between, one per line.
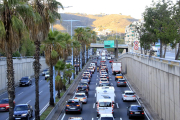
x=13, y=115
x=7, y=106
x=23, y=114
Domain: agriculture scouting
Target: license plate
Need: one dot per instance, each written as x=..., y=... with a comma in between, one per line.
x=72, y=108
x=17, y=118
x=2, y=108
x=23, y=84
x=137, y=112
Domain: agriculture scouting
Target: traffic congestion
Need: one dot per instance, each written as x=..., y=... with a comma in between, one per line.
x=103, y=94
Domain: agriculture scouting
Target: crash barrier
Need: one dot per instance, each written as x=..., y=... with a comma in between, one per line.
x=22, y=67
x=58, y=109
x=157, y=81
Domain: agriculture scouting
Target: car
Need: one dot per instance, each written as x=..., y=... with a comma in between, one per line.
x=121, y=82
x=110, y=61
x=25, y=81
x=105, y=84
x=85, y=79
x=91, y=69
x=88, y=70
x=135, y=111
x=102, y=77
x=4, y=104
x=102, y=70
x=76, y=65
x=81, y=96
x=118, y=76
x=73, y=105
x=84, y=84
x=103, y=81
x=23, y=111
x=87, y=74
x=44, y=72
x=128, y=95
x=105, y=74
x=47, y=75
x=106, y=117
x=75, y=118
x=82, y=91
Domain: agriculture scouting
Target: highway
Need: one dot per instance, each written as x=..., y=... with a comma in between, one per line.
x=26, y=94
x=89, y=109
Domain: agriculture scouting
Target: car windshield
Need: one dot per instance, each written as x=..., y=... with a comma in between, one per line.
x=136, y=108
x=129, y=93
x=106, y=118
x=84, y=77
x=24, y=79
x=81, y=88
x=121, y=80
x=104, y=104
x=104, y=84
x=118, y=74
x=21, y=108
x=73, y=103
x=84, y=84
x=4, y=101
x=103, y=80
x=79, y=95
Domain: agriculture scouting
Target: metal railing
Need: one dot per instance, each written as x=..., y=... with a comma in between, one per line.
x=24, y=57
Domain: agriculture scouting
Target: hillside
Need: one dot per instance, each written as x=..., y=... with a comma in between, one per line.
x=113, y=21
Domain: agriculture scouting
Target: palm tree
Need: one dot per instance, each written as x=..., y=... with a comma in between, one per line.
x=68, y=72
x=53, y=48
x=12, y=31
x=60, y=66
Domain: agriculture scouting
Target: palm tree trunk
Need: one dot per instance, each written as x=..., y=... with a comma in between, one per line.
x=76, y=66
x=164, y=51
x=178, y=52
x=51, y=101
x=11, y=88
x=58, y=94
x=37, y=67
x=69, y=81
x=161, y=49
x=79, y=61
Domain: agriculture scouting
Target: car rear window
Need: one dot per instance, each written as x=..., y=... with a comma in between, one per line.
x=129, y=93
x=118, y=74
x=104, y=104
x=106, y=118
x=81, y=88
x=79, y=95
x=73, y=103
x=136, y=108
x=84, y=77
x=20, y=108
x=121, y=80
x=4, y=101
x=103, y=80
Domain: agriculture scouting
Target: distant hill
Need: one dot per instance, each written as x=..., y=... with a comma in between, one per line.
x=113, y=22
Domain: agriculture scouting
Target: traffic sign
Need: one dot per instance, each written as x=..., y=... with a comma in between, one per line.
x=109, y=44
x=136, y=42
x=136, y=47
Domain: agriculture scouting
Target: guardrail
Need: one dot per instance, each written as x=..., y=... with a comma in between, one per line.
x=56, y=111
x=25, y=57
x=165, y=60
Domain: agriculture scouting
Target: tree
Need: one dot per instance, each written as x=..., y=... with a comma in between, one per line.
x=60, y=66
x=68, y=72
x=12, y=30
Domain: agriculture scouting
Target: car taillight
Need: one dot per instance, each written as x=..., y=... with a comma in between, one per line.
x=118, y=82
x=131, y=112
x=67, y=105
x=86, y=89
x=84, y=98
x=100, y=82
x=77, y=105
x=142, y=112
x=125, y=96
x=75, y=98
x=133, y=96
x=124, y=82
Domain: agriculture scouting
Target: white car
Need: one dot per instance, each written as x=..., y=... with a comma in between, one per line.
x=103, y=81
x=81, y=96
x=106, y=117
x=92, y=69
x=109, y=57
x=128, y=95
x=47, y=75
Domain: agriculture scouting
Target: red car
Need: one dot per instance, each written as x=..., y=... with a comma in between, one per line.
x=76, y=65
x=4, y=104
x=110, y=61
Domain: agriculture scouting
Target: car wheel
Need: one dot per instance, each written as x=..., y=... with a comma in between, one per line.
x=66, y=112
x=31, y=114
x=129, y=117
x=79, y=112
x=28, y=117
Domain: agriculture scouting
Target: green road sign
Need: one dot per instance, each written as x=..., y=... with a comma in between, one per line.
x=109, y=44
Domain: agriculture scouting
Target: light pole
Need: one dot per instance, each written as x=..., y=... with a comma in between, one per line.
x=71, y=38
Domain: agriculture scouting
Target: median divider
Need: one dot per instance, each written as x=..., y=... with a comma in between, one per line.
x=59, y=107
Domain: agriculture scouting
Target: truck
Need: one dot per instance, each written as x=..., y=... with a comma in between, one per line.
x=116, y=68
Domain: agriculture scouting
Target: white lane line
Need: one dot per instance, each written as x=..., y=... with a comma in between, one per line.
x=32, y=86
x=96, y=79
x=117, y=105
x=44, y=108
x=92, y=118
x=40, y=92
x=3, y=93
x=20, y=93
x=63, y=116
x=120, y=118
x=96, y=83
x=28, y=102
x=95, y=95
x=7, y=118
x=41, y=80
x=97, y=75
x=94, y=105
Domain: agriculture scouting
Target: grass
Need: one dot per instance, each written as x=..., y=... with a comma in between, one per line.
x=48, y=110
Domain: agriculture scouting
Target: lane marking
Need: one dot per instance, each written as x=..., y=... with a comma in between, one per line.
x=92, y=118
x=120, y=118
x=117, y=105
x=94, y=105
x=20, y=93
x=97, y=75
x=96, y=83
x=28, y=101
x=95, y=95
x=7, y=118
x=63, y=116
x=41, y=80
x=40, y=92
x=114, y=94
x=96, y=79
x=44, y=108
x=32, y=86
x=3, y=93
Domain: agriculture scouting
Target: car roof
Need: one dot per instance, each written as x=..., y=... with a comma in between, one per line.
x=21, y=104
x=128, y=91
x=106, y=115
x=70, y=100
x=105, y=100
x=136, y=105
x=80, y=94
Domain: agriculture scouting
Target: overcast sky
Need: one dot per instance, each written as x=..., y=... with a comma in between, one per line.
x=134, y=8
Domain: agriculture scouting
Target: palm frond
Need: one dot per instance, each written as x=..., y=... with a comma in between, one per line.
x=17, y=24
x=2, y=29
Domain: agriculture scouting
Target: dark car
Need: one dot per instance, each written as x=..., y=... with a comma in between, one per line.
x=25, y=81
x=110, y=61
x=4, y=104
x=73, y=105
x=84, y=84
x=23, y=112
x=135, y=111
x=88, y=70
x=83, y=88
x=121, y=82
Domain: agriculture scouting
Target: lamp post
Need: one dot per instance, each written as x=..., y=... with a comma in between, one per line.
x=71, y=38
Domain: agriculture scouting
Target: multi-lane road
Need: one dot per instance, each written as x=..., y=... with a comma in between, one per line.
x=26, y=94
x=89, y=109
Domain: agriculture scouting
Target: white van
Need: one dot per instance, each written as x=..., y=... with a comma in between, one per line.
x=105, y=106
x=106, y=117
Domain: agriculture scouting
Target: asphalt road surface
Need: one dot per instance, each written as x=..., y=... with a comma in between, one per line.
x=89, y=109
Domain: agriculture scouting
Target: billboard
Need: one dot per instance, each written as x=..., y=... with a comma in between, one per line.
x=109, y=44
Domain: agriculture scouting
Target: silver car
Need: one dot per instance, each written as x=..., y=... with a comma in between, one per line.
x=121, y=82
x=128, y=95
x=81, y=96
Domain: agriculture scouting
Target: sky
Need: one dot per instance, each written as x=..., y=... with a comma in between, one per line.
x=134, y=8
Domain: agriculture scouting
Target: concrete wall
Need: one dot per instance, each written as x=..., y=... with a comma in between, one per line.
x=158, y=81
x=22, y=67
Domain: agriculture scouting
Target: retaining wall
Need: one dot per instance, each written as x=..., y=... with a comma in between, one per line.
x=22, y=67
x=157, y=80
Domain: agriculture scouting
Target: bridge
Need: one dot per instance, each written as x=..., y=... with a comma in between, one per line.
x=98, y=45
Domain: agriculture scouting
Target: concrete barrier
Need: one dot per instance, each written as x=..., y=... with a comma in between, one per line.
x=157, y=80
x=22, y=67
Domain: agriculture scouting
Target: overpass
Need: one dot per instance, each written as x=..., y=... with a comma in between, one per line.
x=98, y=45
